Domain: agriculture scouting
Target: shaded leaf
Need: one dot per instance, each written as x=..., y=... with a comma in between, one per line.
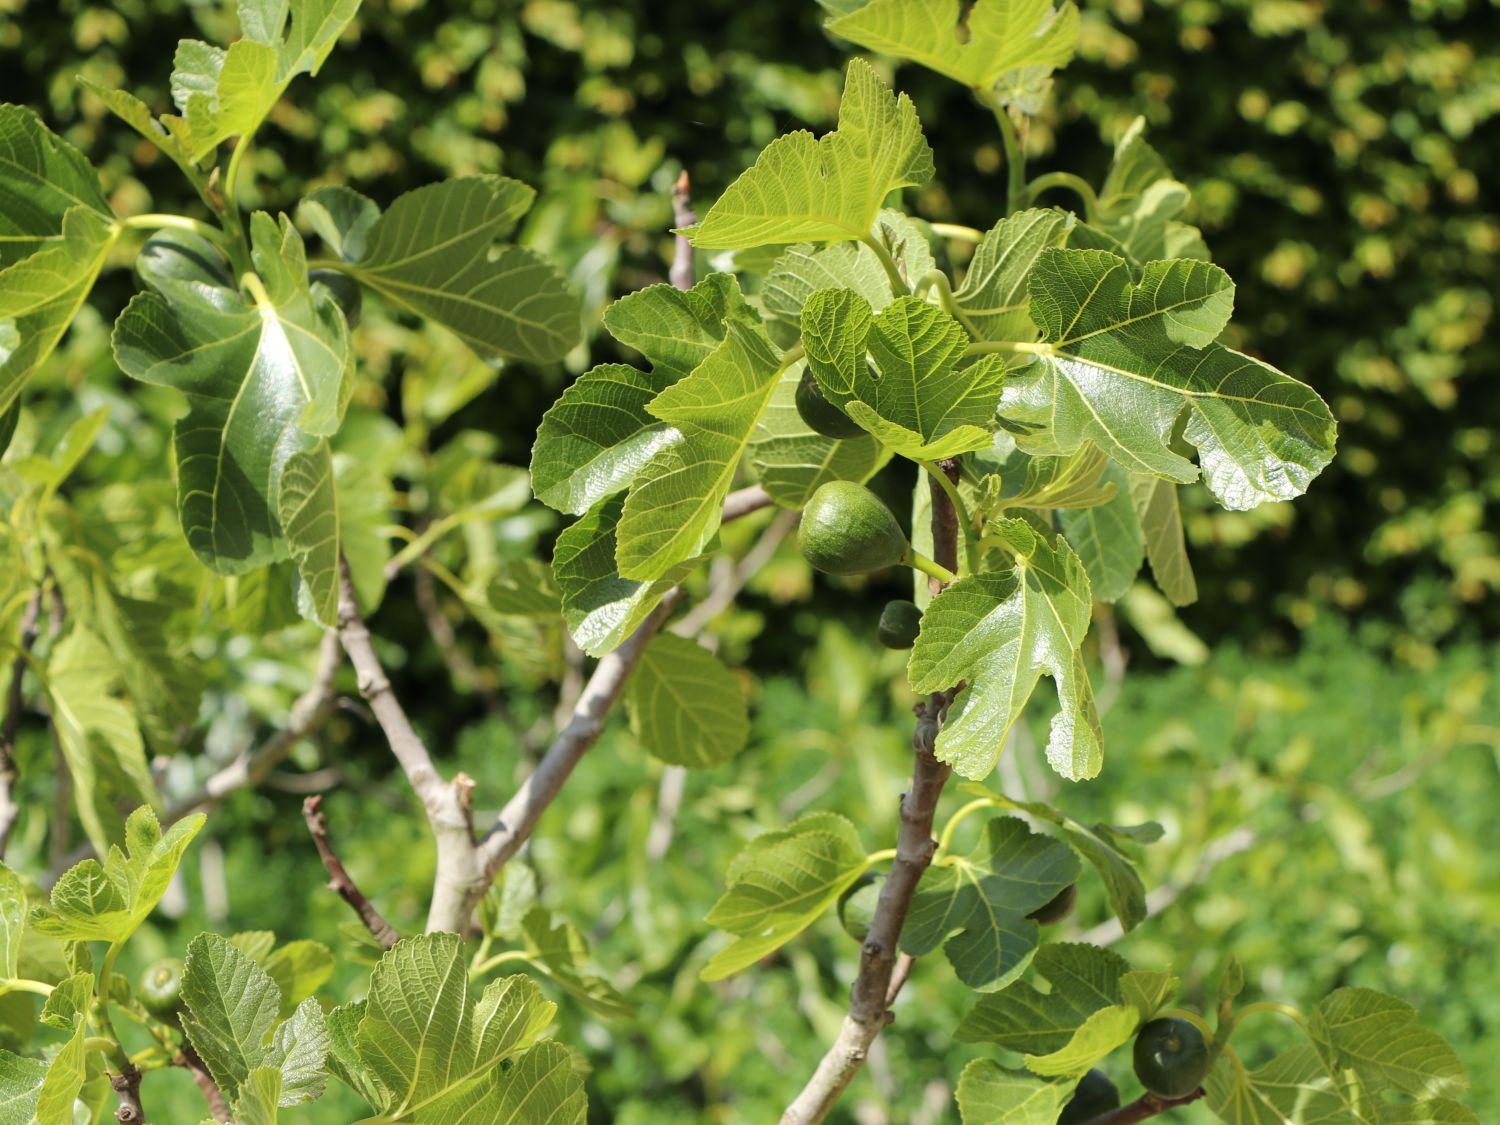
x=976, y=906
x=779, y=884
x=685, y=706
x=435, y=252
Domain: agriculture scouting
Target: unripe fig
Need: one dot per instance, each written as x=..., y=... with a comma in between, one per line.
x=344, y=290
x=820, y=415
x=161, y=987
x=857, y=905
x=899, y=622
x=1095, y=1095
x=1058, y=908
x=847, y=530
x=1171, y=1057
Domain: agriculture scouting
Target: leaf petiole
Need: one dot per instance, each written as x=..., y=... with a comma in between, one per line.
x=497, y=960
x=979, y=804
x=177, y=222
x=892, y=270
x=918, y=561
x=1071, y=182
x=957, y=231
x=21, y=984
x=1008, y=347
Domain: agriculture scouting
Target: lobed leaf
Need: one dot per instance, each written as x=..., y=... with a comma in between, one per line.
x=1126, y=360
x=976, y=906
x=804, y=190
x=977, y=45
x=998, y=633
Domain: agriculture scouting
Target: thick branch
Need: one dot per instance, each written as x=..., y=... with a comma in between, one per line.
x=682, y=274
x=406, y=744
x=127, y=1087
x=882, y=969
x=9, y=810
x=190, y=1061
x=1146, y=1106
x=338, y=877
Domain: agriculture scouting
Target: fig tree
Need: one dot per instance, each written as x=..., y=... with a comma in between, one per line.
x=899, y=623
x=1094, y=1095
x=1057, y=908
x=161, y=987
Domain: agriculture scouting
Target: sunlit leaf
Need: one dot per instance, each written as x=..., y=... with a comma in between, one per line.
x=802, y=189
x=999, y=632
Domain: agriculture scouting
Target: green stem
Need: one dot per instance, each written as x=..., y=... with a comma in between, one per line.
x=956, y=231
x=420, y=545
x=959, y=509
x=1012, y=347
x=1271, y=1006
x=892, y=270
x=918, y=561
x=945, y=841
x=880, y=857
x=21, y=984
x=1068, y=180
x=497, y=960
x=177, y=222
x=937, y=279
x=106, y=1023
x=1015, y=159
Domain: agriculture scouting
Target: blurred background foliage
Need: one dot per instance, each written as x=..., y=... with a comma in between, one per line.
x=1334, y=761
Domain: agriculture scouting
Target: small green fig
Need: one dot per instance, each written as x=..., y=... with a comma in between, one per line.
x=161, y=987
x=857, y=905
x=820, y=415
x=899, y=623
x=1171, y=1057
x=1094, y=1095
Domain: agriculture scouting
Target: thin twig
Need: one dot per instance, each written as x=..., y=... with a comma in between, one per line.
x=190, y=1061
x=308, y=713
x=668, y=800
x=9, y=810
x=1145, y=1106
x=463, y=670
x=338, y=876
x=743, y=501
x=519, y=816
x=882, y=969
x=682, y=273
x=127, y=1087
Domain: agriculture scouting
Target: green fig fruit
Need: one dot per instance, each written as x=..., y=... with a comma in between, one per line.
x=899, y=623
x=1171, y=1057
x=161, y=987
x=820, y=415
x=847, y=530
x=1094, y=1096
x=857, y=905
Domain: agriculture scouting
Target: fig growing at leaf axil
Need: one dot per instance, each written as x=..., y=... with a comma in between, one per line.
x=161, y=987
x=820, y=415
x=1171, y=1057
x=857, y=905
x=1057, y=908
x=846, y=529
x=899, y=624
x=1094, y=1095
